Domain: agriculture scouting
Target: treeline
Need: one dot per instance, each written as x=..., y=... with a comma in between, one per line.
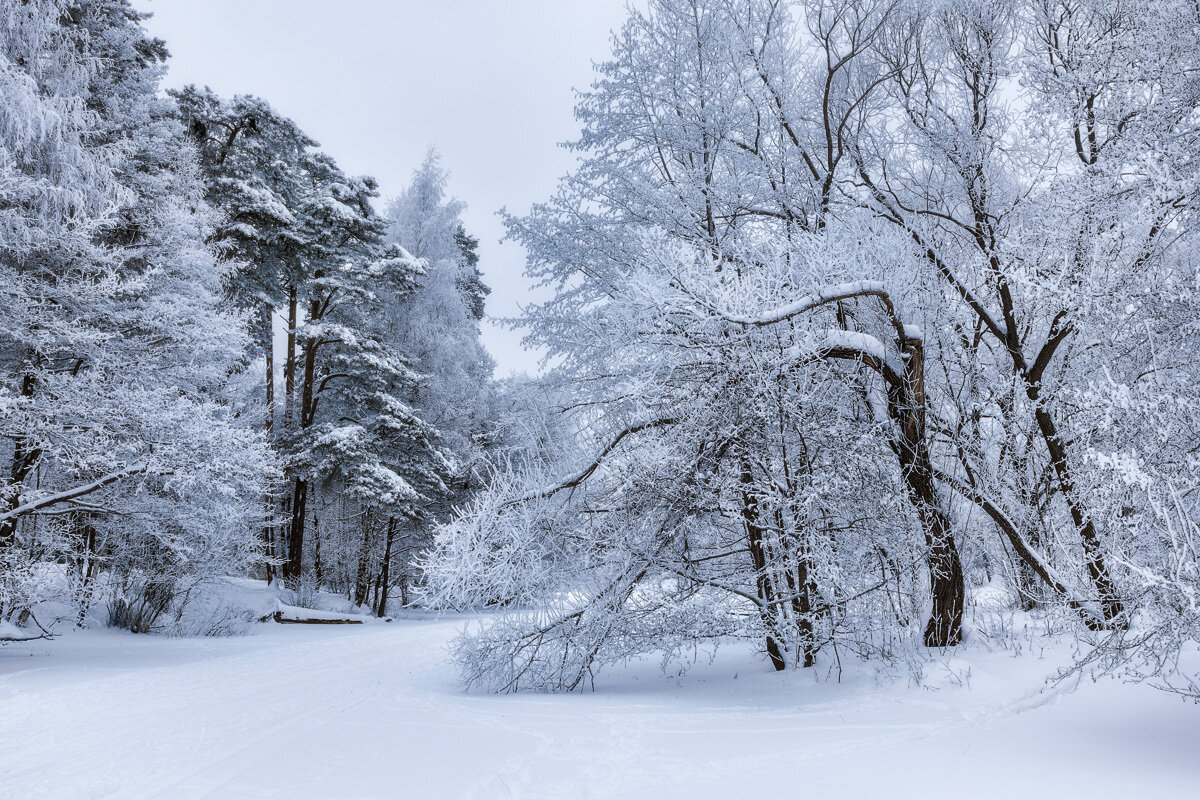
x=863, y=307
x=217, y=356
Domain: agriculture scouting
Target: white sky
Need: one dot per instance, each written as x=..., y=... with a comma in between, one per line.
x=376, y=82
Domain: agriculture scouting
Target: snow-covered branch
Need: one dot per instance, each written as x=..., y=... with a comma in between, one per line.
x=824, y=296
x=852, y=346
x=67, y=495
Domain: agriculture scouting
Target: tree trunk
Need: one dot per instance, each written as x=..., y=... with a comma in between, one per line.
x=1111, y=606
x=946, y=581
x=318, y=570
x=87, y=563
x=23, y=459
x=300, y=491
x=802, y=589
x=803, y=607
x=289, y=413
x=754, y=538
x=385, y=569
x=268, y=533
x=289, y=364
x=362, y=577
x=294, y=565
x=269, y=351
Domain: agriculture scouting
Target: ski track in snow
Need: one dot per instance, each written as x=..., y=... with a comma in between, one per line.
x=298, y=712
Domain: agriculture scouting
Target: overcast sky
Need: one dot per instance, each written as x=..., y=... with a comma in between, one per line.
x=376, y=82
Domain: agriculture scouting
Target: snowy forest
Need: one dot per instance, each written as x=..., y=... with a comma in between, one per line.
x=870, y=346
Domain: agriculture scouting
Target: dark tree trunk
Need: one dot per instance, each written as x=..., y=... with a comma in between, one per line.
x=385, y=570
x=1111, y=605
x=754, y=538
x=283, y=509
x=295, y=560
x=362, y=576
x=23, y=459
x=269, y=528
x=1112, y=608
x=946, y=582
x=294, y=565
x=269, y=350
x=804, y=609
x=289, y=363
x=318, y=569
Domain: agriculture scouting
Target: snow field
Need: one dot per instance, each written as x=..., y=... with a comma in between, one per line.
x=374, y=711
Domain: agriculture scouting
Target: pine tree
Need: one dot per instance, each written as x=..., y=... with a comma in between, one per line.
x=471, y=284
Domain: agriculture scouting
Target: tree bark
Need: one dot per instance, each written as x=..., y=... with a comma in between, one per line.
x=362, y=577
x=385, y=570
x=803, y=589
x=758, y=557
x=269, y=528
x=1110, y=604
x=23, y=458
x=946, y=581
x=318, y=569
x=295, y=562
x=294, y=565
x=289, y=363
x=269, y=351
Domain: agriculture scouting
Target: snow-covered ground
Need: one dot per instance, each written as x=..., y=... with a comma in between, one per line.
x=373, y=711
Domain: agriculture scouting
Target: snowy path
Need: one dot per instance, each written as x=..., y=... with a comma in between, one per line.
x=373, y=712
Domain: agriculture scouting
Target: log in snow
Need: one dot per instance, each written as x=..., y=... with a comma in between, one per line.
x=296, y=615
x=279, y=617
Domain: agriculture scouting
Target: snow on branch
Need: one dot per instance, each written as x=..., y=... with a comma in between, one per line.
x=852, y=346
x=68, y=495
x=824, y=296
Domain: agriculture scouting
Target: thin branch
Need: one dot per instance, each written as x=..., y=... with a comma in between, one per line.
x=586, y=472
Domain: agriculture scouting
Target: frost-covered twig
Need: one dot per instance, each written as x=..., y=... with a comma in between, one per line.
x=579, y=477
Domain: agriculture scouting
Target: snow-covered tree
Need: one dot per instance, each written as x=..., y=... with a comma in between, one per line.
x=116, y=349
x=835, y=283
x=308, y=239
x=437, y=326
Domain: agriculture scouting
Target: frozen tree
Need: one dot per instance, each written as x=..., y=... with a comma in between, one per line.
x=125, y=453
x=832, y=279
x=715, y=432
x=1041, y=213
x=437, y=326
x=255, y=163
x=308, y=239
